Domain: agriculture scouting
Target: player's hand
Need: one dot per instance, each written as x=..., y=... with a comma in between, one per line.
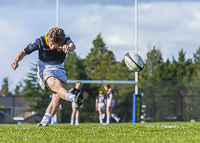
x=14, y=64
x=65, y=48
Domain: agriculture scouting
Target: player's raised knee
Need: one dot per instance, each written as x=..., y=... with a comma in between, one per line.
x=53, y=83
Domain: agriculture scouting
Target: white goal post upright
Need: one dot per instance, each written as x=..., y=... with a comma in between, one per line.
x=57, y=12
x=137, y=99
x=136, y=44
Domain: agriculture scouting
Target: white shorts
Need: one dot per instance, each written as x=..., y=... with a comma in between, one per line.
x=112, y=103
x=101, y=106
x=45, y=71
x=74, y=105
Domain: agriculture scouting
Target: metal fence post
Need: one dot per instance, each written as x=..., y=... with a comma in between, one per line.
x=181, y=106
x=13, y=108
x=154, y=107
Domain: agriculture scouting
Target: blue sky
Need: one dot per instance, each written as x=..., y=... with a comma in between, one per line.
x=170, y=25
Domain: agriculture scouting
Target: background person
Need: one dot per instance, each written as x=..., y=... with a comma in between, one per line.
x=110, y=104
x=76, y=110
x=100, y=106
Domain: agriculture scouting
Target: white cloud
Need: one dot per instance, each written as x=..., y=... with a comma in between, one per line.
x=170, y=26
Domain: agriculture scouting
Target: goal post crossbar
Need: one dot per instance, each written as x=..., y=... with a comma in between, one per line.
x=104, y=81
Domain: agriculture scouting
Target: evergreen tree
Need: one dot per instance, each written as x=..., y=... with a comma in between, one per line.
x=167, y=80
x=92, y=69
x=177, y=70
x=5, y=88
x=181, y=57
x=103, y=71
x=95, y=56
x=154, y=58
x=17, y=89
x=74, y=67
x=196, y=57
x=184, y=67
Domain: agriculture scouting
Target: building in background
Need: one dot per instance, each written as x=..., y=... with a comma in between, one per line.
x=11, y=106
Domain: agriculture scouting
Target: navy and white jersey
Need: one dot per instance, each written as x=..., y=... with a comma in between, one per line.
x=110, y=91
x=100, y=98
x=46, y=55
x=76, y=91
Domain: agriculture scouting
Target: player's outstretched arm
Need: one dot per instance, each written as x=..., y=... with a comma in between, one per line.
x=18, y=58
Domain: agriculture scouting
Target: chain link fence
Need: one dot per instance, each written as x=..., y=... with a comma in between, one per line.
x=19, y=109
x=171, y=108
x=173, y=100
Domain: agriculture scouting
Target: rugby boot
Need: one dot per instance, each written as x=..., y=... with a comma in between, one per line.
x=78, y=99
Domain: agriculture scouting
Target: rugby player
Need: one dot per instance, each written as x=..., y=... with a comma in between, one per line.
x=52, y=49
x=76, y=110
x=100, y=106
x=110, y=104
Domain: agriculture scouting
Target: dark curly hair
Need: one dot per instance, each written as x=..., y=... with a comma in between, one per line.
x=56, y=36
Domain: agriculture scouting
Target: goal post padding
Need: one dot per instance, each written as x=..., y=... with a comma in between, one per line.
x=137, y=106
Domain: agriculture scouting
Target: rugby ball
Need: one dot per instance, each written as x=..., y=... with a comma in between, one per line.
x=134, y=62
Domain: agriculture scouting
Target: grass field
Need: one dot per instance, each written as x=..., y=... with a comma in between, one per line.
x=176, y=132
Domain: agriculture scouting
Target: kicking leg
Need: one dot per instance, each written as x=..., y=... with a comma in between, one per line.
x=55, y=85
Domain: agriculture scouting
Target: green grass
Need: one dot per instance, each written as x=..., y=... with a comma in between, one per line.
x=114, y=133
